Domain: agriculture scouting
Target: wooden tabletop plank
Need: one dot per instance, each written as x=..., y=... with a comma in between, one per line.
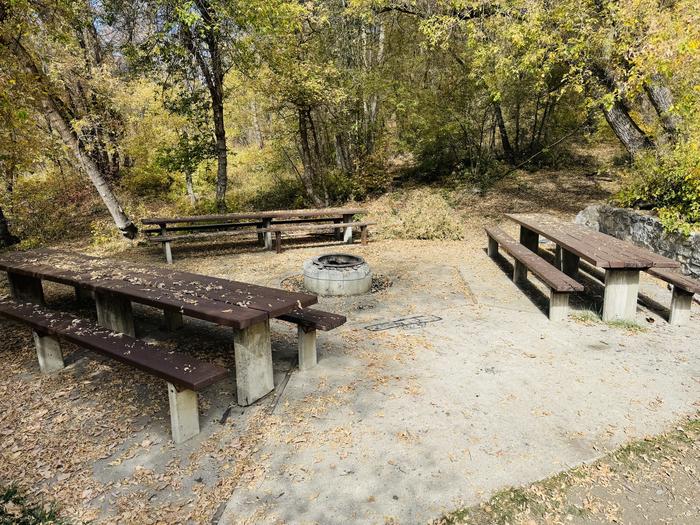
x=271, y=214
x=230, y=303
x=599, y=249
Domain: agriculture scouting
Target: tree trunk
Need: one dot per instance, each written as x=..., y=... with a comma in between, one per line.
x=88, y=165
x=505, y=142
x=662, y=100
x=190, y=188
x=309, y=174
x=221, y=154
x=6, y=238
x=626, y=129
x=57, y=114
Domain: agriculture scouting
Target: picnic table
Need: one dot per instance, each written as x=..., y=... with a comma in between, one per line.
x=621, y=260
x=247, y=308
x=264, y=223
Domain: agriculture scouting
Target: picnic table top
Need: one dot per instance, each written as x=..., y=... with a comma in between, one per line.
x=222, y=301
x=270, y=214
x=599, y=249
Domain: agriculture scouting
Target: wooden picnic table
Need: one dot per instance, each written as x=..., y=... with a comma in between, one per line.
x=247, y=308
x=621, y=260
x=264, y=223
x=258, y=215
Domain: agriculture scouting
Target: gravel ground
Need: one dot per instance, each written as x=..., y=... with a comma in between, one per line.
x=394, y=426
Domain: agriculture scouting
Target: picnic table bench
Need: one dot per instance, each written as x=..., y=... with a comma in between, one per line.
x=560, y=285
x=621, y=260
x=115, y=285
x=265, y=224
x=183, y=374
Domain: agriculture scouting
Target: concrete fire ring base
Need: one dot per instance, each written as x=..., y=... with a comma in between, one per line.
x=337, y=281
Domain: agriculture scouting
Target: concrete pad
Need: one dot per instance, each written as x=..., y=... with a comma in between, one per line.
x=406, y=424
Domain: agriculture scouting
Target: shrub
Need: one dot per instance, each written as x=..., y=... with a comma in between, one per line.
x=669, y=183
x=417, y=214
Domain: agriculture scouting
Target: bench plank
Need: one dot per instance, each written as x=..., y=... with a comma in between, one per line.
x=271, y=214
x=676, y=279
x=315, y=319
x=550, y=275
x=174, y=367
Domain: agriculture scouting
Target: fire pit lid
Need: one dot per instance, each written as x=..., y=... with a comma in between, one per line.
x=338, y=260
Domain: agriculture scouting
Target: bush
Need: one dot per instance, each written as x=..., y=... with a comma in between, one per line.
x=53, y=206
x=418, y=214
x=669, y=183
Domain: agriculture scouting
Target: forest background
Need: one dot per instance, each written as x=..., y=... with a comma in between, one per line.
x=112, y=110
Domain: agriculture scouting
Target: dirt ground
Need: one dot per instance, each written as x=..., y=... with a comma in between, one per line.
x=401, y=425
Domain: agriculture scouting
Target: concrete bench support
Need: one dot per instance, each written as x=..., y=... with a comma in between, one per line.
x=26, y=289
x=168, y=252
x=253, y=354
x=519, y=272
x=307, y=347
x=558, y=305
x=492, y=250
x=620, y=299
x=48, y=351
x=184, y=414
x=115, y=313
x=681, y=301
x=172, y=318
x=347, y=235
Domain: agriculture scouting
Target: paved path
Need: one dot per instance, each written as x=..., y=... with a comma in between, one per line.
x=404, y=425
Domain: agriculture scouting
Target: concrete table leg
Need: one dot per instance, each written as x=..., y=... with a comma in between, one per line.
x=267, y=235
x=558, y=258
x=114, y=312
x=253, y=355
x=558, y=305
x=338, y=232
x=25, y=288
x=172, y=318
x=681, y=302
x=569, y=263
x=621, y=289
x=168, y=253
x=48, y=350
x=492, y=250
x=184, y=414
x=529, y=239
x=307, y=347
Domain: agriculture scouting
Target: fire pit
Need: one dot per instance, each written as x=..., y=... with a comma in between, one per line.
x=337, y=274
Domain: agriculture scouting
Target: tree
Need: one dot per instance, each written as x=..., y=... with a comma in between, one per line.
x=29, y=35
x=188, y=43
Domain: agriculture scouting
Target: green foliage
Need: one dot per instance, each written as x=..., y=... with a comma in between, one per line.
x=668, y=182
x=52, y=207
x=16, y=510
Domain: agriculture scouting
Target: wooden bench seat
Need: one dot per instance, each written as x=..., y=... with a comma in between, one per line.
x=183, y=374
x=684, y=288
x=560, y=285
x=309, y=320
x=346, y=227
